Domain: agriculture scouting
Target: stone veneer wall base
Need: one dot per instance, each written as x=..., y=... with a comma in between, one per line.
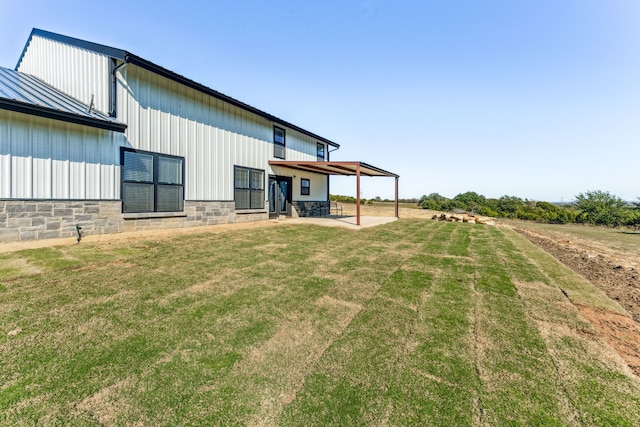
x=22, y=220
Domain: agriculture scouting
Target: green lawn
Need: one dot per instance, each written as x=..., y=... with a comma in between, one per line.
x=416, y=322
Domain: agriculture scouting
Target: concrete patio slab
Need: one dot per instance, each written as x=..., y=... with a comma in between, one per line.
x=344, y=221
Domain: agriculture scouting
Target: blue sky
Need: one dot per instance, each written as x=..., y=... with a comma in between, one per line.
x=538, y=99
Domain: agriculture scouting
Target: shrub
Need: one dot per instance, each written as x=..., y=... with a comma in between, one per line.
x=602, y=208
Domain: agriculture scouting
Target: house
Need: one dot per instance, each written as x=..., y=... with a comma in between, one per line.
x=99, y=139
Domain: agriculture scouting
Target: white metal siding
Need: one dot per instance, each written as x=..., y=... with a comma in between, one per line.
x=167, y=117
x=318, y=186
x=300, y=147
x=49, y=159
x=77, y=72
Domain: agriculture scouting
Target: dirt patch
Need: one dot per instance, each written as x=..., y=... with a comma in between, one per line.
x=621, y=332
x=21, y=265
x=616, y=275
x=105, y=405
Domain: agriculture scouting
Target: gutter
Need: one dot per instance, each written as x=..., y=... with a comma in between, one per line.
x=161, y=71
x=331, y=151
x=35, y=110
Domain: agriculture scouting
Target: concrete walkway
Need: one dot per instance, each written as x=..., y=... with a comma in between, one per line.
x=344, y=221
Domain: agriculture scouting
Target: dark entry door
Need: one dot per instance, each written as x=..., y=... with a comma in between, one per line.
x=279, y=196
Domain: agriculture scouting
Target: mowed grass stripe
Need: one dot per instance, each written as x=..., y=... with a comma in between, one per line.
x=405, y=359
x=519, y=381
x=445, y=357
x=354, y=381
x=358, y=380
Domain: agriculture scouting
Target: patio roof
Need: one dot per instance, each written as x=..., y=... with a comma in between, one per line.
x=334, y=168
x=342, y=168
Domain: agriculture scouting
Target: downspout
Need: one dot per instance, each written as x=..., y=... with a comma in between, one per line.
x=114, y=86
x=331, y=151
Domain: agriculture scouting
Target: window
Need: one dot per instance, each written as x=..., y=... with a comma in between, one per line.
x=305, y=187
x=151, y=182
x=278, y=143
x=249, y=188
x=320, y=149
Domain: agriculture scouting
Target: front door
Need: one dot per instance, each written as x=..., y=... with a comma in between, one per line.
x=279, y=196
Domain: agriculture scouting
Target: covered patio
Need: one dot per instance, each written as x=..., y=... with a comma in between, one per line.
x=356, y=169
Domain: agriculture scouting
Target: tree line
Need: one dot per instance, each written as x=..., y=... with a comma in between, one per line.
x=591, y=207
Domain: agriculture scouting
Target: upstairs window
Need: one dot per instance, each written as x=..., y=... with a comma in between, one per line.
x=305, y=187
x=248, y=188
x=320, y=150
x=151, y=182
x=278, y=143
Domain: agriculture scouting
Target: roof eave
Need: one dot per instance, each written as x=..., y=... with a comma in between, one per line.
x=35, y=110
x=83, y=44
x=157, y=69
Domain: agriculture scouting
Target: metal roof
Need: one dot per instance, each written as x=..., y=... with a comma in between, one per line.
x=334, y=168
x=26, y=94
x=157, y=69
x=129, y=57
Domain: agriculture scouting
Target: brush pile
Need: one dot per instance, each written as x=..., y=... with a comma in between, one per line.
x=464, y=217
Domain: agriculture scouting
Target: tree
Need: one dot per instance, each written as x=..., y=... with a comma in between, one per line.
x=509, y=206
x=433, y=201
x=601, y=207
x=470, y=201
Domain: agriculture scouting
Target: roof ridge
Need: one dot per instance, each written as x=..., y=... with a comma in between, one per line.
x=83, y=44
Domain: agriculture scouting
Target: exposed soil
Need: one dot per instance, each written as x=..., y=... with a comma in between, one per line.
x=616, y=275
x=621, y=332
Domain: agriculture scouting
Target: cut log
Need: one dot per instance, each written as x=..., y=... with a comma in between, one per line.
x=469, y=219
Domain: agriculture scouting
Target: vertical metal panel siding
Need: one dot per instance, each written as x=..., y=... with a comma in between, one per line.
x=318, y=183
x=300, y=147
x=48, y=159
x=77, y=72
x=167, y=117
x=5, y=156
x=21, y=165
x=318, y=187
